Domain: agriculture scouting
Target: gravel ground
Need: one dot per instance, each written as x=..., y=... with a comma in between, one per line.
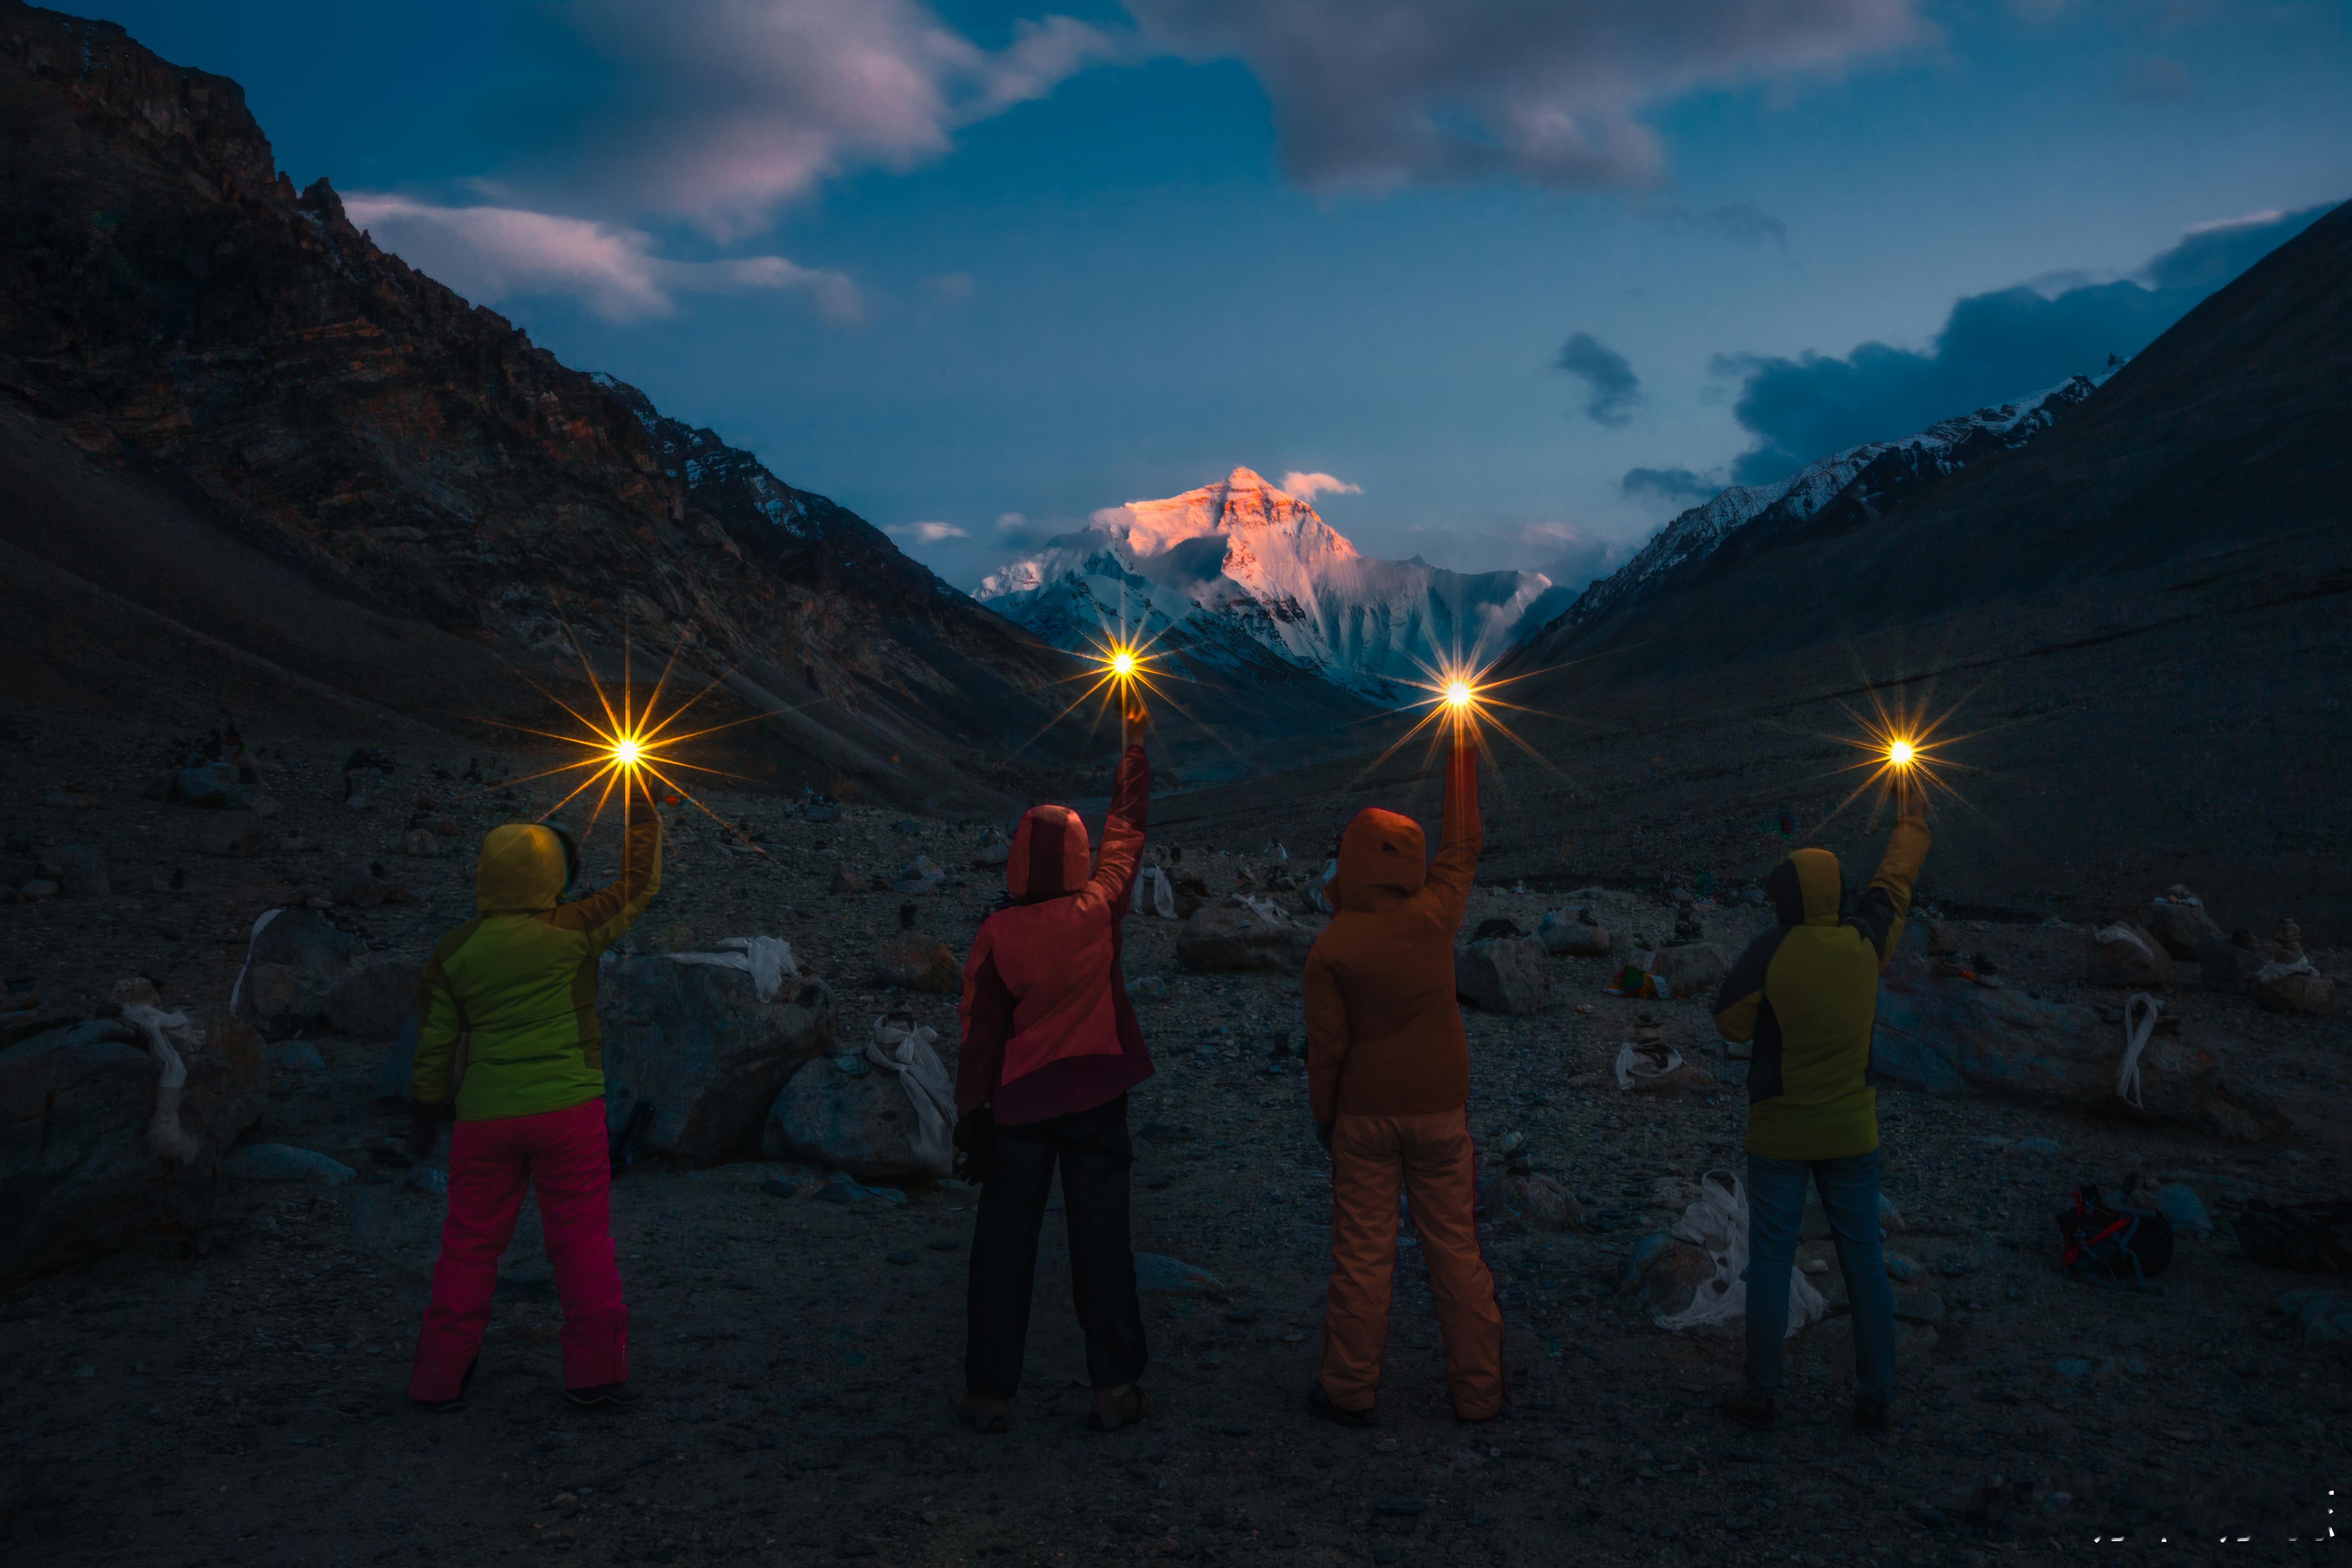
x=241, y=1400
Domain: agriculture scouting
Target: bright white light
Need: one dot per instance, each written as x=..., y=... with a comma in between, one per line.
x=1900, y=753
x=1457, y=692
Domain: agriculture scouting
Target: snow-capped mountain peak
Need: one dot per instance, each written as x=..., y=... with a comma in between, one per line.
x=1242, y=562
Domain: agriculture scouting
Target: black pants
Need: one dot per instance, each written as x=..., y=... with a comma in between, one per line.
x=1093, y=1151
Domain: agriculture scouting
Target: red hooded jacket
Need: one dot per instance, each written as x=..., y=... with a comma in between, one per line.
x=1047, y=1027
x=1384, y=1031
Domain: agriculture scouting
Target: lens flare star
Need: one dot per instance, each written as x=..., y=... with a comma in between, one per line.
x=637, y=743
x=1900, y=746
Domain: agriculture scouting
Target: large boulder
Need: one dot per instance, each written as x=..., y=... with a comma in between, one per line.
x=1946, y=1034
x=2179, y=923
x=1231, y=936
x=2126, y=955
x=848, y=1114
x=695, y=1044
x=2294, y=987
x=373, y=1001
x=1503, y=975
x=1573, y=938
x=1689, y=969
x=80, y=1172
x=294, y=964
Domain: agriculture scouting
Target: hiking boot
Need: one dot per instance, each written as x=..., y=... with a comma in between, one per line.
x=449, y=1406
x=1872, y=1418
x=1117, y=1408
x=619, y=1394
x=1757, y=1412
x=984, y=1415
x=1320, y=1406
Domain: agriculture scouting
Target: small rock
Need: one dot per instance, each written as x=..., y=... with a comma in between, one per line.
x=2295, y=987
x=237, y=835
x=37, y=888
x=420, y=842
x=2181, y=1205
x=903, y=1256
x=840, y=1188
x=777, y=1187
x=81, y=873
x=918, y=962
x=1547, y=1203
x=296, y=1055
x=1156, y=1272
x=845, y=880
x=285, y=1162
x=364, y=889
x=424, y=1179
x=1401, y=1505
x=1146, y=988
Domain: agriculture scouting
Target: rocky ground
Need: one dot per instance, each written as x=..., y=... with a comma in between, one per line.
x=239, y=1398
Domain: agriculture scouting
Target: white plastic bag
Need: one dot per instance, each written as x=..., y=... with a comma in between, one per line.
x=1717, y=1223
x=1635, y=1064
x=165, y=1135
x=2139, y=1023
x=904, y=1048
x=1160, y=899
x=767, y=960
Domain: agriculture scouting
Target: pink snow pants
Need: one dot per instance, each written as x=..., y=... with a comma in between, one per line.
x=564, y=1154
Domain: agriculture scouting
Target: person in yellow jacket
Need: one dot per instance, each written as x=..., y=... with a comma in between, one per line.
x=507, y=1039
x=1806, y=992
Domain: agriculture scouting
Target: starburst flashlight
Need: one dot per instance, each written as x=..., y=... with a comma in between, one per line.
x=1899, y=754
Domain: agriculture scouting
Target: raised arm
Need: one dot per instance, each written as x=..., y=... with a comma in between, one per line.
x=1456, y=864
x=1122, y=839
x=1879, y=912
x=606, y=914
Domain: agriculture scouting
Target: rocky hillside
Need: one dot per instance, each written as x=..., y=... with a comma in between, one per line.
x=1238, y=572
x=180, y=320
x=1836, y=494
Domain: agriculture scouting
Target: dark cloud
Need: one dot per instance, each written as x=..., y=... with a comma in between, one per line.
x=1616, y=390
x=1742, y=223
x=1378, y=91
x=1993, y=347
x=1670, y=484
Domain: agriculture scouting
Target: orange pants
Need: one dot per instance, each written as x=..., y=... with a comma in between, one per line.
x=1430, y=1157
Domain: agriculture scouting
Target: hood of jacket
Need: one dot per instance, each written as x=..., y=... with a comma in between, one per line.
x=1384, y=859
x=522, y=869
x=1806, y=888
x=1051, y=855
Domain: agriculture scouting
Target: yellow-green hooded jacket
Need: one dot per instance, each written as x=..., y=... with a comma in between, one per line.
x=1807, y=993
x=515, y=987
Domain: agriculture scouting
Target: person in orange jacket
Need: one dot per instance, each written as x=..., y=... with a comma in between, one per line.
x=1051, y=1047
x=1388, y=1073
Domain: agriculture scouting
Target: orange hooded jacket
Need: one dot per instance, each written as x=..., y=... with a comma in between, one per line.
x=1047, y=1027
x=1384, y=1032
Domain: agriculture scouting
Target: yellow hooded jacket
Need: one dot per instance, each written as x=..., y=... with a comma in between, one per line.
x=1807, y=993
x=518, y=981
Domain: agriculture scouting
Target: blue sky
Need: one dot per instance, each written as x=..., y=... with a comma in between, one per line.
x=987, y=269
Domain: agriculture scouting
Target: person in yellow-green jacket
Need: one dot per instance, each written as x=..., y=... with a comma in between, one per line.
x=507, y=1039
x=1806, y=992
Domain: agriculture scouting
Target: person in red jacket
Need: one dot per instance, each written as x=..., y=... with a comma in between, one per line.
x=1388, y=1079
x=1050, y=1049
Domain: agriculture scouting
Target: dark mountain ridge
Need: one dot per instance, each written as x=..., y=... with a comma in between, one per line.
x=192, y=327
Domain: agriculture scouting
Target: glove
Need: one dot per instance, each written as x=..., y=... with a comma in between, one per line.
x=424, y=1130
x=1323, y=1135
x=975, y=1146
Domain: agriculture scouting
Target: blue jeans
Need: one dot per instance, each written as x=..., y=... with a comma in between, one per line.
x=1776, y=1212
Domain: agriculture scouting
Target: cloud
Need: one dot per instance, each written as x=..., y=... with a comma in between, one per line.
x=1307, y=487
x=1615, y=390
x=1579, y=558
x=1992, y=347
x=1379, y=93
x=928, y=532
x=1671, y=484
x=2152, y=79
x=1007, y=521
x=1742, y=223
x=723, y=111
x=949, y=287
x=490, y=253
